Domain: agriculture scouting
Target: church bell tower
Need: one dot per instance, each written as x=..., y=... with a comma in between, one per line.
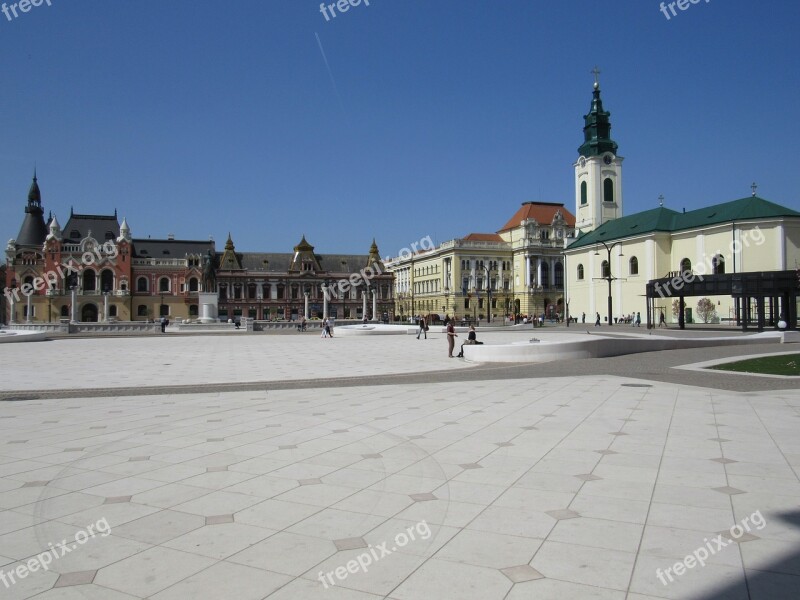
x=598, y=171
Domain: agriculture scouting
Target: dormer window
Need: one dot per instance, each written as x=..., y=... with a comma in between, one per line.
x=109, y=235
x=75, y=234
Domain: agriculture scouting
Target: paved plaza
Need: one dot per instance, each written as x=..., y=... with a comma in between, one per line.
x=290, y=467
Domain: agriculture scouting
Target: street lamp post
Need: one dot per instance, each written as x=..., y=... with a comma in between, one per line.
x=13, y=307
x=73, y=317
x=488, y=296
x=475, y=306
x=29, y=308
x=608, y=277
x=326, y=287
x=531, y=306
x=106, y=293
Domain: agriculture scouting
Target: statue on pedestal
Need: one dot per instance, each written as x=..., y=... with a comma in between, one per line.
x=209, y=276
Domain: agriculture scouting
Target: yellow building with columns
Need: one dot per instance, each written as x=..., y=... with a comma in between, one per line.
x=518, y=270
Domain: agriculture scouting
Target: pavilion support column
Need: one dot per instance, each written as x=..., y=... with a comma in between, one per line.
x=74, y=306
x=745, y=312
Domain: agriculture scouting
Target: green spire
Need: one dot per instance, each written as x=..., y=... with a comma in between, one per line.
x=597, y=129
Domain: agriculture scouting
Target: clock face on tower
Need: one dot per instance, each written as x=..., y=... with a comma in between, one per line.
x=608, y=159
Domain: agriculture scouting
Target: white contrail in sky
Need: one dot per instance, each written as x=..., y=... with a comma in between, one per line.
x=330, y=73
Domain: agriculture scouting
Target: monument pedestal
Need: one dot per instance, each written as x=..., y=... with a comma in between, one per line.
x=209, y=307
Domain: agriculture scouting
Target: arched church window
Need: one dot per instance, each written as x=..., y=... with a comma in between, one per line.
x=608, y=190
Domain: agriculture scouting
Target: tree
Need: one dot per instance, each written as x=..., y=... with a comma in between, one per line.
x=676, y=307
x=706, y=310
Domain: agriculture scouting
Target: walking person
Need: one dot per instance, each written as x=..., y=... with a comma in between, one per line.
x=324, y=328
x=597, y=320
x=662, y=322
x=583, y=318
x=423, y=327
x=638, y=319
x=451, y=339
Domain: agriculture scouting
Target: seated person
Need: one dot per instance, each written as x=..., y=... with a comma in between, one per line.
x=471, y=340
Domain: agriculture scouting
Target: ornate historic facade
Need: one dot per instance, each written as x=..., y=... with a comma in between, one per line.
x=287, y=286
x=94, y=270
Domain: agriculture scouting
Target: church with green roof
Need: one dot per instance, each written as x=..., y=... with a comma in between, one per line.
x=710, y=252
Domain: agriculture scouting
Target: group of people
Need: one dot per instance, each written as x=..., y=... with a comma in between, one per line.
x=450, y=330
x=633, y=319
x=534, y=320
x=327, y=328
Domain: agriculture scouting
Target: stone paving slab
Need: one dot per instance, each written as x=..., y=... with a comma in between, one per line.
x=590, y=486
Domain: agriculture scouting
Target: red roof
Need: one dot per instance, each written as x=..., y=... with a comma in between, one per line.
x=483, y=237
x=542, y=212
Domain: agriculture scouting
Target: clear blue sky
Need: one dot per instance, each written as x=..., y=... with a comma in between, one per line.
x=437, y=117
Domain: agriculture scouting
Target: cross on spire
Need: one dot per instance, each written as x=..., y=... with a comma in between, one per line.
x=754, y=187
x=596, y=72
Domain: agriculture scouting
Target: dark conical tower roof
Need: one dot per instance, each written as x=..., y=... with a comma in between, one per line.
x=597, y=129
x=34, y=230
